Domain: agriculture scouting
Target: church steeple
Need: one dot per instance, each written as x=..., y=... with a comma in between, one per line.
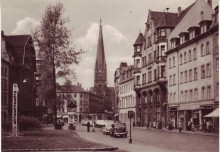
x=100, y=66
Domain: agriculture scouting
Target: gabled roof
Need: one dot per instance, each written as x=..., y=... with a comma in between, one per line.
x=17, y=40
x=140, y=39
x=168, y=20
x=70, y=89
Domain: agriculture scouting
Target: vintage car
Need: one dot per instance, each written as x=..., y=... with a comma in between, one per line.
x=106, y=128
x=118, y=130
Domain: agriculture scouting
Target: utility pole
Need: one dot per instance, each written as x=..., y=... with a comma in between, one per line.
x=130, y=116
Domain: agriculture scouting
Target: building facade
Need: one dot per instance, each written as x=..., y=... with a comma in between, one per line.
x=72, y=93
x=5, y=67
x=126, y=94
x=22, y=67
x=190, y=66
x=149, y=67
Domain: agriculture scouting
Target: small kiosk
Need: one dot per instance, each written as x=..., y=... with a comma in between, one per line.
x=71, y=109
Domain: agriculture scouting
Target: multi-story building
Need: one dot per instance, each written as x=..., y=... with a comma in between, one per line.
x=5, y=67
x=149, y=67
x=189, y=66
x=72, y=93
x=23, y=66
x=126, y=95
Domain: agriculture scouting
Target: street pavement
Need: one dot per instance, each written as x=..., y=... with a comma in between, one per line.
x=154, y=141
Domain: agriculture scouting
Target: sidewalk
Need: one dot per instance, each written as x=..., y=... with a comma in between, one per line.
x=183, y=131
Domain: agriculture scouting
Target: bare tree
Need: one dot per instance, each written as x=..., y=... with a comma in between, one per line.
x=52, y=39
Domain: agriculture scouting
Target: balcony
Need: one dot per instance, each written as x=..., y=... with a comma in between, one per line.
x=161, y=80
x=137, y=85
x=136, y=53
x=160, y=59
x=137, y=70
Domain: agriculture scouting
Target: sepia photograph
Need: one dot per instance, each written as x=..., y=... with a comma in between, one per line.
x=110, y=75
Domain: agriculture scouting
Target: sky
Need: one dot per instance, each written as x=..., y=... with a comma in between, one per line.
x=122, y=20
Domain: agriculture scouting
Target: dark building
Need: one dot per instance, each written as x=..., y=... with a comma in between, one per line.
x=22, y=68
x=5, y=67
x=100, y=78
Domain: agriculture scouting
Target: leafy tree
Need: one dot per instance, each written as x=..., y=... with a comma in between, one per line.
x=52, y=41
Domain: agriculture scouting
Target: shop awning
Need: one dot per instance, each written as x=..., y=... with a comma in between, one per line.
x=214, y=113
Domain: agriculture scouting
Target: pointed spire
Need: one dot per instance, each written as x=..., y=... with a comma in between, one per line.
x=100, y=22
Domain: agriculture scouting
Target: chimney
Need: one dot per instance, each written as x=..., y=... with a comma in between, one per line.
x=179, y=11
x=210, y=3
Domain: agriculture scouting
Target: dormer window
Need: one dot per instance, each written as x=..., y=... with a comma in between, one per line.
x=174, y=42
x=193, y=32
x=205, y=25
x=184, y=36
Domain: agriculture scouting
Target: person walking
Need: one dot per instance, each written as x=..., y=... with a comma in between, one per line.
x=180, y=125
x=88, y=126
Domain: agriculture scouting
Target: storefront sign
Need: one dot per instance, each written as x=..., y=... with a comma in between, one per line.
x=15, y=110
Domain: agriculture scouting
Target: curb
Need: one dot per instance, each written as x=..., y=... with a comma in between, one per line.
x=183, y=132
x=66, y=149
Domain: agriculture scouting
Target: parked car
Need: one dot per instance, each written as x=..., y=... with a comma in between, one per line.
x=106, y=128
x=118, y=130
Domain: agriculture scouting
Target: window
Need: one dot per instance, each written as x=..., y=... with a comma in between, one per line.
x=202, y=71
x=203, y=93
x=186, y=95
x=202, y=50
x=190, y=95
x=174, y=96
x=208, y=70
x=144, y=78
x=217, y=89
x=170, y=63
x=81, y=95
x=190, y=75
x=74, y=95
x=207, y=48
x=181, y=59
x=171, y=98
x=186, y=73
x=195, y=94
x=149, y=76
x=174, y=79
x=181, y=77
x=185, y=58
x=162, y=32
x=217, y=64
x=195, y=74
x=209, y=92
x=155, y=74
x=170, y=80
x=194, y=54
x=181, y=96
x=138, y=80
x=162, y=48
x=190, y=55
x=138, y=63
x=174, y=62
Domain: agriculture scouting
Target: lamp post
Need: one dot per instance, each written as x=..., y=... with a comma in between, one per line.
x=130, y=116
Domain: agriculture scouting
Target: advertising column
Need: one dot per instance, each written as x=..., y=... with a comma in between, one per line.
x=15, y=110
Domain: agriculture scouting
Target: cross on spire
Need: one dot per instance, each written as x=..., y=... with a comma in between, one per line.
x=100, y=21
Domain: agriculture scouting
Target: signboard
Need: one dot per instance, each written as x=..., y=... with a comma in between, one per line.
x=130, y=114
x=15, y=110
x=71, y=118
x=71, y=109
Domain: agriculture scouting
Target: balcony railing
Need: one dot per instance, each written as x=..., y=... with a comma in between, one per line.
x=137, y=70
x=161, y=79
x=160, y=59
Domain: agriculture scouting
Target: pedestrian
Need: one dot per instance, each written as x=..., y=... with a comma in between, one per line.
x=180, y=125
x=88, y=126
x=189, y=125
x=193, y=127
x=147, y=125
x=207, y=125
